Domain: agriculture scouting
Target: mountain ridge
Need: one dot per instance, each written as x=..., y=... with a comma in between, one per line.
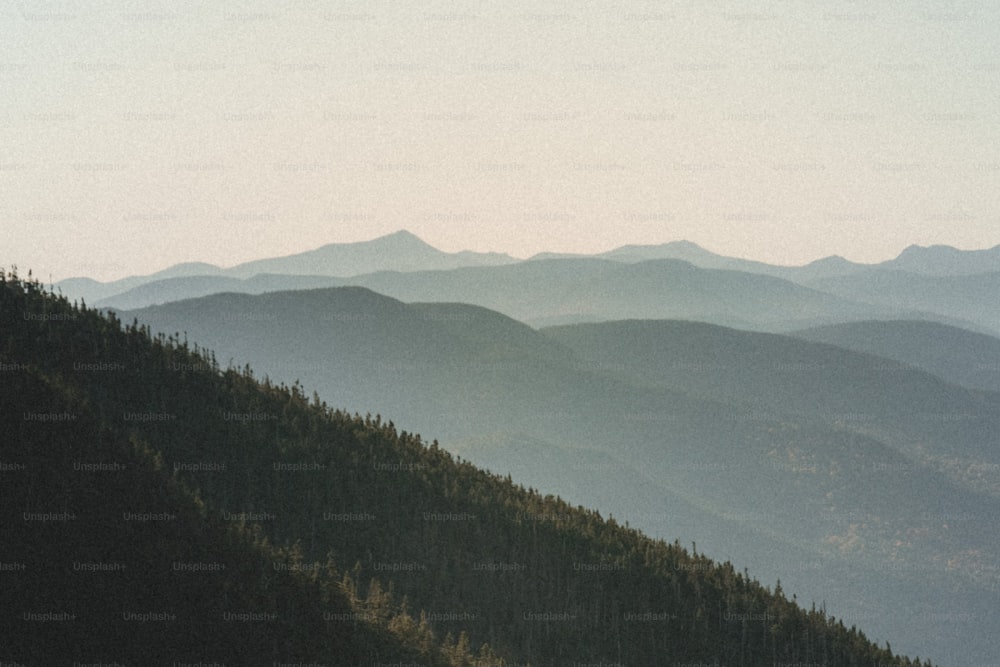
x=435, y=521
x=423, y=256
x=400, y=250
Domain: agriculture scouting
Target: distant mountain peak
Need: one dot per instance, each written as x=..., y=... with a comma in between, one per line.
x=680, y=244
x=683, y=243
x=401, y=250
x=945, y=260
x=830, y=260
x=399, y=240
x=915, y=248
x=404, y=236
x=686, y=250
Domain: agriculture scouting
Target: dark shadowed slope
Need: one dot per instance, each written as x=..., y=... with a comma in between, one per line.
x=111, y=558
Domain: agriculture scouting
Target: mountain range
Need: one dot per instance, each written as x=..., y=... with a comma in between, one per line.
x=677, y=280
x=957, y=355
x=937, y=260
x=835, y=425
x=681, y=428
x=399, y=251
x=160, y=509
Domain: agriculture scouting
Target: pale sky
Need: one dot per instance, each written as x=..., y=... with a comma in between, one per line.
x=135, y=137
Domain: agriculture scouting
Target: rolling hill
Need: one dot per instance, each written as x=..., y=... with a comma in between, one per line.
x=968, y=298
x=780, y=375
x=957, y=355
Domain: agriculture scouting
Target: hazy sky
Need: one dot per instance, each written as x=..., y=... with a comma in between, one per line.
x=135, y=137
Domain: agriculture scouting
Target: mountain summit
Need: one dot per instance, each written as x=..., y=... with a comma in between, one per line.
x=943, y=260
x=399, y=251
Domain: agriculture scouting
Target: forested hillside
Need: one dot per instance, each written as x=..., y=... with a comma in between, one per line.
x=344, y=539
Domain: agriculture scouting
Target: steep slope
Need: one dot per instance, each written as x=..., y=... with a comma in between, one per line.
x=485, y=385
x=541, y=581
x=109, y=557
x=957, y=355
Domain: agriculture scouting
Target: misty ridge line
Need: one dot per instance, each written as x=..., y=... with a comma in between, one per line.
x=404, y=242
x=829, y=384
x=936, y=283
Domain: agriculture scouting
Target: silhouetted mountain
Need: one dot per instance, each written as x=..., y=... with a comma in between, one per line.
x=482, y=559
x=964, y=298
x=656, y=282
x=938, y=260
x=554, y=292
x=404, y=252
x=594, y=289
x=816, y=421
x=942, y=260
x=957, y=355
x=827, y=267
x=685, y=250
x=692, y=253
x=705, y=259
x=177, y=289
x=93, y=291
x=400, y=251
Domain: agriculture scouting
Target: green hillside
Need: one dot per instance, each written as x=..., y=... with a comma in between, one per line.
x=481, y=559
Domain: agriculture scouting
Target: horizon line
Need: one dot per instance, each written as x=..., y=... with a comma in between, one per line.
x=518, y=259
